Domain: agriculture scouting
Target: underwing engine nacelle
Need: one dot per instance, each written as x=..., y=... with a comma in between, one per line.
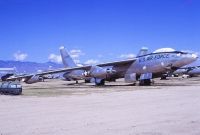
x=33, y=79
x=99, y=72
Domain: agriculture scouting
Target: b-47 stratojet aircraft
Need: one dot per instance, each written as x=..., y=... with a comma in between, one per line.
x=142, y=68
x=76, y=75
x=68, y=62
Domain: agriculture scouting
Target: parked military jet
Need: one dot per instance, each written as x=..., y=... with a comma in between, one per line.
x=142, y=68
x=76, y=75
x=6, y=72
x=190, y=71
x=68, y=62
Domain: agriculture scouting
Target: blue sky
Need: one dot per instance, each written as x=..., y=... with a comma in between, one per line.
x=100, y=30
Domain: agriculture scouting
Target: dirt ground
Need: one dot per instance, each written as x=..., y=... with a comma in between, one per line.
x=55, y=107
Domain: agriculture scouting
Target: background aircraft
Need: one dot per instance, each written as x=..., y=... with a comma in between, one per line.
x=6, y=72
x=68, y=62
x=190, y=71
x=142, y=68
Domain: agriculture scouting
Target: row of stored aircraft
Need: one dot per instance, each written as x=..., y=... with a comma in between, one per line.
x=144, y=67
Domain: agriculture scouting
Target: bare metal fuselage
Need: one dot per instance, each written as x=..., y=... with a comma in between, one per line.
x=155, y=63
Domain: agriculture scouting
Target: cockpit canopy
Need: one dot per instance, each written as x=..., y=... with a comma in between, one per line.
x=164, y=50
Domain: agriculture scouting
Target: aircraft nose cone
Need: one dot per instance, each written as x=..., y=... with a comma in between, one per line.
x=186, y=59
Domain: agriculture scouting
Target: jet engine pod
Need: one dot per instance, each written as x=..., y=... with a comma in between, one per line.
x=110, y=71
x=33, y=79
x=100, y=72
x=12, y=88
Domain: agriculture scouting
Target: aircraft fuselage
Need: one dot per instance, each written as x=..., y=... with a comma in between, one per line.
x=156, y=63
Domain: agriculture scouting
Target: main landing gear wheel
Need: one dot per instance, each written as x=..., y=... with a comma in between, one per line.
x=145, y=82
x=101, y=83
x=133, y=84
x=87, y=80
x=163, y=77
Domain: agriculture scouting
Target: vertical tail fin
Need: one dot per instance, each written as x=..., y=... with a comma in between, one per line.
x=66, y=58
x=143, y=51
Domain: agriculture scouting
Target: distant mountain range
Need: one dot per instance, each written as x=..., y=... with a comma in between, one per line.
x=29, y=67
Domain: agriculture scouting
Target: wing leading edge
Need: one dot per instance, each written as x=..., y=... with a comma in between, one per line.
x=114, y=64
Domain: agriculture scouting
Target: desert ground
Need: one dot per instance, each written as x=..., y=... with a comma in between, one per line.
x=56, y=107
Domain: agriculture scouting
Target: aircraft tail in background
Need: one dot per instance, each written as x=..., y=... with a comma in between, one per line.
x=143, y=51
x=66, y=58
